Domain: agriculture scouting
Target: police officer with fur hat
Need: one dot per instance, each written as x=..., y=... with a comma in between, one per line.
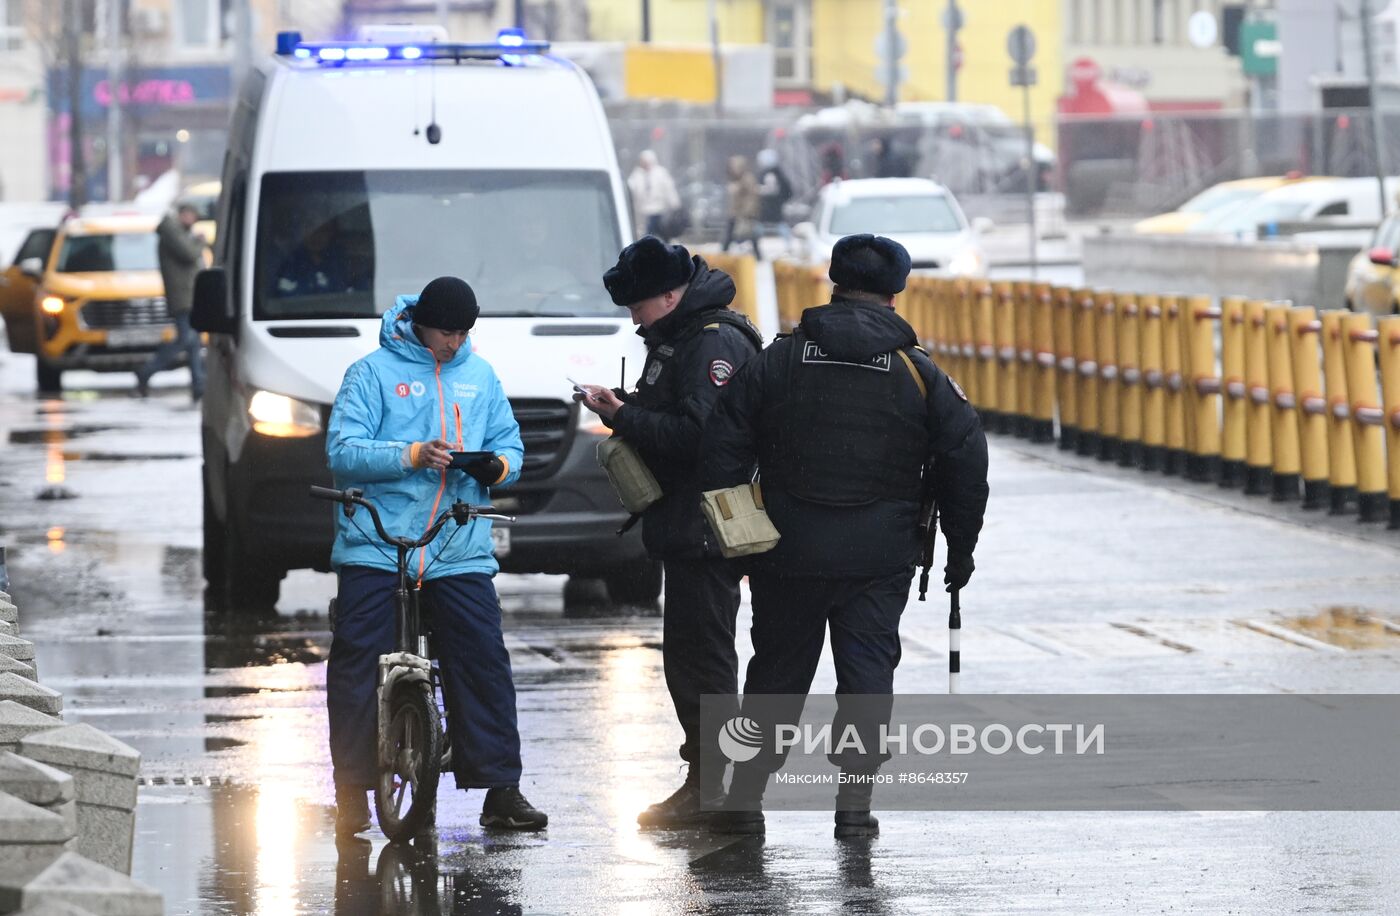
x=851, y=425
x=695, y=343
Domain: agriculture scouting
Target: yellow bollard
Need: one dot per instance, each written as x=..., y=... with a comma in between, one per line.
x=1152, y=325
x=1004, y=331
x=1023, y=300
x=818, y=292
x=1341, y=446
x=1259, y=443
x=1359, y=344
x=1176, y=430
x=783, y=289
x=1389, y=329
x=1086, y=383
x=988, y=372
x=960, y=325
x=1043, y=363
x=1287, y=466
x=1201, y=387
x=1303, y=337
x=1106, y=330
x=1235, y=411
x=1130, y=379
x=743, y=269
x=1066, y=367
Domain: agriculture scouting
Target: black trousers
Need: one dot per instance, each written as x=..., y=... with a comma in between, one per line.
x=790, y=619
x=697, y=650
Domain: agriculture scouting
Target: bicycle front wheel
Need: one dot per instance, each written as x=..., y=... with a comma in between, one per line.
x=406, y=793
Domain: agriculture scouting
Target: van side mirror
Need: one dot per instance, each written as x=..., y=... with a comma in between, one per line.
x=32, y=267
x=212, y=311
x=1381, y=256
x=981, y=225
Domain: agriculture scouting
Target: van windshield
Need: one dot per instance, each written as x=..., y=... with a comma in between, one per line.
x=344, y=244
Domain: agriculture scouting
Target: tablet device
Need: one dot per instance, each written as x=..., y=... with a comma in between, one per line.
x=460, y=460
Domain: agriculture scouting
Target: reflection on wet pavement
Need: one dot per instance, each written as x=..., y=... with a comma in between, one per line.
x=229, y=711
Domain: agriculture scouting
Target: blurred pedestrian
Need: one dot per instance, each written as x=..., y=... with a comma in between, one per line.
x=654, y=197
x=833, y=162
x=774, y=191
x=695, y=343
x=180, y=254
x=742, y=207
x=853, y=428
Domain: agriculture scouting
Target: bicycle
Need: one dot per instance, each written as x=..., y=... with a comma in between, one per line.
x=412, y=746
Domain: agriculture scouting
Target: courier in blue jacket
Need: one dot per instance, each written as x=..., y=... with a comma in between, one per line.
x=399, y=413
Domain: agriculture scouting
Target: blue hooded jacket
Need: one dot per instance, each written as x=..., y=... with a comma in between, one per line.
x=394, y=397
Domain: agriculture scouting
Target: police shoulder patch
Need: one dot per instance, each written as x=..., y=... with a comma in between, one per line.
x=721, y=371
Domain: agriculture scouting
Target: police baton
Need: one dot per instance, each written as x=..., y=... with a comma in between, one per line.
x=954, y=643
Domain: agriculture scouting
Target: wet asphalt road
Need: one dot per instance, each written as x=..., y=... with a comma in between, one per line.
x=1105, y=581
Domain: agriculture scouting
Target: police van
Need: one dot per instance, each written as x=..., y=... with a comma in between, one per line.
x=357, y=171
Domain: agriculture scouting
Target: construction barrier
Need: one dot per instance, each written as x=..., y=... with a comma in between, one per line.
x=743, y=269
x=1275, y=398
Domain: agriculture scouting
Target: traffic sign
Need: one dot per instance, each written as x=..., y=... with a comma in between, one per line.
x=1023, y=76
x=882, y=44
x=1202, y=29
x=1020, y=44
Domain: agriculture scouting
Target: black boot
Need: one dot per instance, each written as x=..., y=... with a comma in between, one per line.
x=507, y=808
x=689, y=806
x=743, y=808
x=853, y=817
x=351, y=810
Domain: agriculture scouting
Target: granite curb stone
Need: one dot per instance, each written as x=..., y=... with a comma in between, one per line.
x=53, y=908
x=14, y=666
x=18, y=722
x=69, y=878
x=83, y=747
x=28, y=693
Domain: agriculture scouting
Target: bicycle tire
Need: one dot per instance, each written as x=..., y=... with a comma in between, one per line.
x=405, y=794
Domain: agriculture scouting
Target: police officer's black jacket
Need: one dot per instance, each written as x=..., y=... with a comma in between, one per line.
x=692, y=354
x=840, y=430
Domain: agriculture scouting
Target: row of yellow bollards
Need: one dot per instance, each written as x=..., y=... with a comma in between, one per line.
x=1264, y=395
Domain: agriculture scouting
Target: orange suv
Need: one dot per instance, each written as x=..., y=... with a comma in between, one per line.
x=100, y=303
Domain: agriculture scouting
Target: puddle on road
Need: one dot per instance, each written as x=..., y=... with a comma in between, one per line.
x=41, y=436
x=266, y=649
x=1348, y=628
x=122, y=456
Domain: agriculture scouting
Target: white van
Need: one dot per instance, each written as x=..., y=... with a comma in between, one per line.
x=355, y=172
x=1346, y=201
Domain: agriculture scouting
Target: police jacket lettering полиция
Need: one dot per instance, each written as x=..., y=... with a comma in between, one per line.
x=841, y=432
x=692, y=354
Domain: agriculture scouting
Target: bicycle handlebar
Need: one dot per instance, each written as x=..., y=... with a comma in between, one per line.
x=461, y=512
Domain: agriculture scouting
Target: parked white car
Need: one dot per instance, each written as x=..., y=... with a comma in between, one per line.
x=921, y=215
x=1344, y=200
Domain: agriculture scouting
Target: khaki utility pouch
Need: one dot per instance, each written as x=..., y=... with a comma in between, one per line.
x=739, y=520
x=629, y=475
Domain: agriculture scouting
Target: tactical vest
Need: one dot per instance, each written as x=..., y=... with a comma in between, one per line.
x=844, y=433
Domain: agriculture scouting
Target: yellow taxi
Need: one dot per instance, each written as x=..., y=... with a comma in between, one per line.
x=100, y=303
x=1372, y=277
x=1225, y=194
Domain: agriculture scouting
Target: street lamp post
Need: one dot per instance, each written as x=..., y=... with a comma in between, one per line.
x=646, y=21
x=114, y=108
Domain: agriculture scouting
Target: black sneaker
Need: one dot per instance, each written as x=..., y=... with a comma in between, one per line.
x=684, y=808
x=351, y=810
x=737, y=823
x=143, y=386
x=508, y=809
x=853, y=824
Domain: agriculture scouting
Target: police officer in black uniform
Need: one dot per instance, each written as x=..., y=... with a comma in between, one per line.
x=695, y=344
x=851, y=425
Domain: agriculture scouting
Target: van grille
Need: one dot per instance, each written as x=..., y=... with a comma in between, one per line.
x=544, y=428
x=126, y=313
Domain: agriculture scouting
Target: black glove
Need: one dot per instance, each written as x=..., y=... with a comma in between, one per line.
x=958, y=571
x=486, y=471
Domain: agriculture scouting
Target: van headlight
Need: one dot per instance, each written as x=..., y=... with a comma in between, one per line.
x=967, y=263
x=283, y=417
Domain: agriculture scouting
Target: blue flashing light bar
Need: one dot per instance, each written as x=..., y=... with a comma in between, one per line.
x=511, y=47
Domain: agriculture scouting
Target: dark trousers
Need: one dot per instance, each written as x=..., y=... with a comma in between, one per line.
x=697, y=650
x=476, y=676
x=168, y=354
x=790, y=620
x=729, y=238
